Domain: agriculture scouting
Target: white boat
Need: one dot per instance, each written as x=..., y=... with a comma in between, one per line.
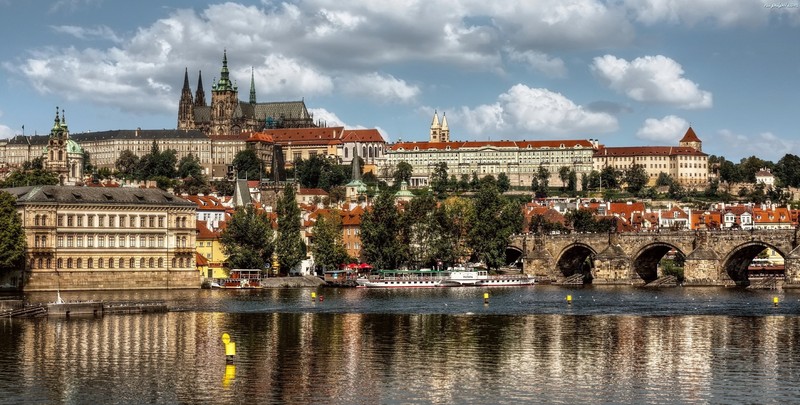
x=424, y=278
x=432, y=278
x=481, y=278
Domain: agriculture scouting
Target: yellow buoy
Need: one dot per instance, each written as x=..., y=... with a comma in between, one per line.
x=569, y=299
x=313, y=296
x=775, y=301
x=230, y=347
x=486, y=298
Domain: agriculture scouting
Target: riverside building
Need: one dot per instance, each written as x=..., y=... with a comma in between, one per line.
x=86, y=238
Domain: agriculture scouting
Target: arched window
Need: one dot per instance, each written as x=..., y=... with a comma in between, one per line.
x=174, y=262
x=60, y=263
x=44, y=220
x=160, y=262
x=90, y=263
x=39, y=263
x=370, y=151
x=151, y=263
x=141, y=263
x=80, y=263
x=345, y=153
x=36, y=220
x=49, y=263
x=69, y=263
x=100, y=263
x=32, y=263
x=110, y=263
x=132, y=263
x=60, y=155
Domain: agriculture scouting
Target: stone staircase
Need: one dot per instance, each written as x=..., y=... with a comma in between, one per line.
x=666, y=281
x=575, y=279
x=765, y=283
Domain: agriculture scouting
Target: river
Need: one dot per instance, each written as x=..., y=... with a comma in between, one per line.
x=527, y=345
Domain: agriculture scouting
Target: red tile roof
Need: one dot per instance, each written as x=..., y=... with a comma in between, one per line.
x=362, y=135
x=491, y=144
x=630, y=151
x=260, y=137
x=690, y=136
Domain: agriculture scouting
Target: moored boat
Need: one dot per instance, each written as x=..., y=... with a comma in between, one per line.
x=423, y=278
x=481, y=278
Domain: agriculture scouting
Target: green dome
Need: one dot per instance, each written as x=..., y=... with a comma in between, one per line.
x=73, y=147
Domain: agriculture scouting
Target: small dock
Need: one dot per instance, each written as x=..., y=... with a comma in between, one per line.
x=84, y=308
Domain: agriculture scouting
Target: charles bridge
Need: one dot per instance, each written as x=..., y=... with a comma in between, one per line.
x=712, y=258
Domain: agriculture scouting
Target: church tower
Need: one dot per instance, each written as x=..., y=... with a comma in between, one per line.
x=186, y=105
x=252, y=87
x=224, y=100
x=690, y=140
x=63, y=156
x=445, y=132
x=436, y=129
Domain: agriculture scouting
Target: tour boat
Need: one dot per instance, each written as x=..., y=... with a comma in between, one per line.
x=424, y=278
x=433, y=278
x=481, y=278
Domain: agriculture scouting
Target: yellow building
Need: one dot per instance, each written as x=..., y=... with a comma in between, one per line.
x=210, y=247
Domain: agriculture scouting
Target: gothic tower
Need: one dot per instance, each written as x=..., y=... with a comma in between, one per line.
x=200, y=95
x=186, y=105
x=224, y=100
x=436, y=129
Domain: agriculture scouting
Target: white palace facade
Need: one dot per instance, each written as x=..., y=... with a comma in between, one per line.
x=519, y=160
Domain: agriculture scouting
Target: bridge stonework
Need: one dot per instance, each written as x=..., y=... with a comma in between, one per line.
x=712, y=258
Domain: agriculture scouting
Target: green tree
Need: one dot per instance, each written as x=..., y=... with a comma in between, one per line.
x=189, y=166
x=572, y=181
x=503, y=182
x=463, y=182
x=748, y=167
x=609, y=177
x=636, y=178
x=787, y=170
x=542, y=182
x=563, y=174
x=289, y=245
x=380, y=227
x=540, y=225
x=496, y=218
x=460, y=215
x=32, y=177
x=402, y=173
x=247, y=240
x=328, y=250
x=248, y=165
x=12, y=241
x=439, y=180
x=664, y=179
x=127, y=164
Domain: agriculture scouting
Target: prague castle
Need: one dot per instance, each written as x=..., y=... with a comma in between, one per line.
x=227, y=115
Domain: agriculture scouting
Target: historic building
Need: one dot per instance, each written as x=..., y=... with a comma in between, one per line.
x=63, y=156
x=519, y=160
x=686, y=162
x=227, y=115
x=84, y=238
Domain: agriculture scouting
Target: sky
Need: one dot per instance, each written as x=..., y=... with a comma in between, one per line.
x=625, y=72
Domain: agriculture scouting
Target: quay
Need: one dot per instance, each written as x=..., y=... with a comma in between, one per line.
x=79, y=308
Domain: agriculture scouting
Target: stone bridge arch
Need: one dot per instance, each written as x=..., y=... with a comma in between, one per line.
x=576, y=258
x=734, y=265
x=514, y=256
x=644, y=263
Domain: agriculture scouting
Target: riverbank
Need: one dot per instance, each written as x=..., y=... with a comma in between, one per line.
x=292, y=282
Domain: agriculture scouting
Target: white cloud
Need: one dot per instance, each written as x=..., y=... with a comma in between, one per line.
x=6, y=131
x=722, y=13
x=523, y=111
x=668, y=130
x=651, y=79
x=287, y=77
x=382, y=88
x=99, y=32
x=765, y=145
x=538, y=61
x=330, y=119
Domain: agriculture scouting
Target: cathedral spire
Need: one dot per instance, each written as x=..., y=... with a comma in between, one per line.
x=252, y=86
x=224, y=82
x=57, y=122
x=200, y=95
x=186, y=80
x=435, y=122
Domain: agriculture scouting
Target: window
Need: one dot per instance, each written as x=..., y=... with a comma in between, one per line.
x=79, y=241
x=131, y=263
x=90, y=263
x=121, y=263
x=70, y=220
x=121, y=242
x=80, y=220
x=160, y=222
x=151, y=263
x=60, y=263
x=60, y=243
x=100, y=263
x=111, y=241
x=70, y=241
x=79, y=263
x=101, y=241
x=160, y=262
x=69, y=263
x=152, y=242
x=91, y=220
x=36, y=221
x=132, y=241
x=60, y=220
x=110, y=263
x=161, y=241
x=90, y=241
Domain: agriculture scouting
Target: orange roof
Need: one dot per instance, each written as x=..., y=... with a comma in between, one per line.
x=362, y=135
x=580, y=143
x=285, y=135
x=629, y=151
x=312, y=191
x=200, y=260
x=260, y=137
x=690, y=136
x=206, y=202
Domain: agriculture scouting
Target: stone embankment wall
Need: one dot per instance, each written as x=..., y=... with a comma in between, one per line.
x=292, y=282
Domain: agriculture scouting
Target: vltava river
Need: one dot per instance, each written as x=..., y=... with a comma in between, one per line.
x=611, y=345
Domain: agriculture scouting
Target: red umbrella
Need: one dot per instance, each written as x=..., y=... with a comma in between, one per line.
x=364, y=266
x=352, y=265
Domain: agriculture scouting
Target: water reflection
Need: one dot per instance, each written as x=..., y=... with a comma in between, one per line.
x=384, y=358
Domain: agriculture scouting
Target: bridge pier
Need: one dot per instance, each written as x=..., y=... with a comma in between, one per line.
x=792, y=269
x=613, y=266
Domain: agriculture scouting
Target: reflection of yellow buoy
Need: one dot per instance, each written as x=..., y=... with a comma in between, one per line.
x=775, y=301
x=486, y=298
x=569, y=299
x=230, y=347
x=230, y=375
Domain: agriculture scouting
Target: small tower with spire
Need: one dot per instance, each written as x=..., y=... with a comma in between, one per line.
x=252, y=87
x=436, y=128
x=186, y=105
x=63, y=156
x=445, y=131
x=690, y=140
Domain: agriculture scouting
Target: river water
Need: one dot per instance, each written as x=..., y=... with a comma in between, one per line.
x=527, y=345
